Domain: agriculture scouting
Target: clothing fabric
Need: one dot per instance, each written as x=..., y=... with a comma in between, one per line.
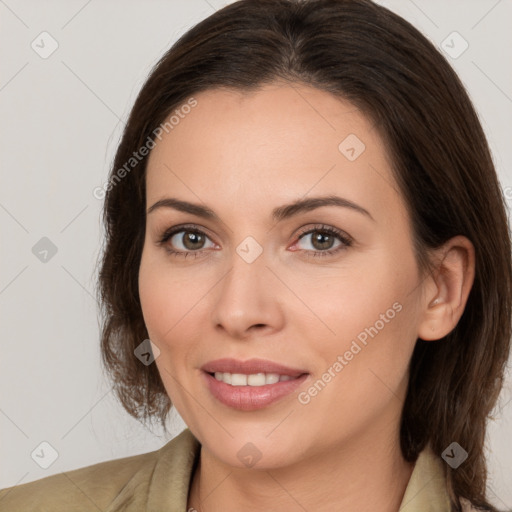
x=159, y=481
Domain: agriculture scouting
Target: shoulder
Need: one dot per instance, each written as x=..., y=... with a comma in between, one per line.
x=94, y=487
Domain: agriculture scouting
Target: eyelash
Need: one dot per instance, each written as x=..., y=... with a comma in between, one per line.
x=322, y=228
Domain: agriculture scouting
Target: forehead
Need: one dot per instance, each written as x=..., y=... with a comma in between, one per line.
x=277, y=143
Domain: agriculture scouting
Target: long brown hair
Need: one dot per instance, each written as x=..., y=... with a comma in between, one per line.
x=367, y=55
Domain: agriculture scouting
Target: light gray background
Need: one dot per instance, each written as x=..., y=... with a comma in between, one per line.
x=61, y=120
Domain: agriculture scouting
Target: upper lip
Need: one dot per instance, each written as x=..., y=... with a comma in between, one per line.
x=249, y=367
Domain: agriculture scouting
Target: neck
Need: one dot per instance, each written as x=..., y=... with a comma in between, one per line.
x=364, y=474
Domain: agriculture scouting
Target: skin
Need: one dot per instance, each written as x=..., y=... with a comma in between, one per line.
x=242, y=154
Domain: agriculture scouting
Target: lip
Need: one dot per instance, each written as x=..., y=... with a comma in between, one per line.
x=250, y=398
x=250, y=366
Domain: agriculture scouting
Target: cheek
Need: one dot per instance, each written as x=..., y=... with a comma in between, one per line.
x=161, y=298
x=366, y=360
x=153, y=300
x=368, y=313
x=172, y=302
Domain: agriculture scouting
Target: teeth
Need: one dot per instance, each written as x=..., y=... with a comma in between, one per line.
x=255, y=379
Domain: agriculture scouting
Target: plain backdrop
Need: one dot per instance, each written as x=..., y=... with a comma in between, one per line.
x=62, y=116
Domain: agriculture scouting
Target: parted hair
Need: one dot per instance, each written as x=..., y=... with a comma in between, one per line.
x=364, y=53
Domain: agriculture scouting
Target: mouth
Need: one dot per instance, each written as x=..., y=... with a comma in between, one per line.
x=250, y=385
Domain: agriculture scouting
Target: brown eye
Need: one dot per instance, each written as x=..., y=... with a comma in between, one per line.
x=188, y=240
x=185, y=241
x=323, y=241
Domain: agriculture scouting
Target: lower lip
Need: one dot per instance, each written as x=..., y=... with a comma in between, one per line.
x=251, y=398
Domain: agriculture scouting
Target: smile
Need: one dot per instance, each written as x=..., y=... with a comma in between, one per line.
x=248, y=392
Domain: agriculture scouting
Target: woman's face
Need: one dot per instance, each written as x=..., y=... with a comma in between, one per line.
x=259, y=278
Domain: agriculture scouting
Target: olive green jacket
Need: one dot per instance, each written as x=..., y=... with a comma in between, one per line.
x=159, y=481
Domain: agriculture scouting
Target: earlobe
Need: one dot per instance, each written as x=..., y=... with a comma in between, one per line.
x=448, y=289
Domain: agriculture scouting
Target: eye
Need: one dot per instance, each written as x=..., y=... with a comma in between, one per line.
x=323, y=241
x=183, y=240
x=191, y=241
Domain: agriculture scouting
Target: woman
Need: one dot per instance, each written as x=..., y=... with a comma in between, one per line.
x=304, y=219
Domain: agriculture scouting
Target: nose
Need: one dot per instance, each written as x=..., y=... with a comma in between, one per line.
x=247, y=300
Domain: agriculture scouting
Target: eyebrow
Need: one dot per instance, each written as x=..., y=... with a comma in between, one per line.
x=278, y=214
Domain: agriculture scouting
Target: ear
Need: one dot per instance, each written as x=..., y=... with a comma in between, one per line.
x=447, y=288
